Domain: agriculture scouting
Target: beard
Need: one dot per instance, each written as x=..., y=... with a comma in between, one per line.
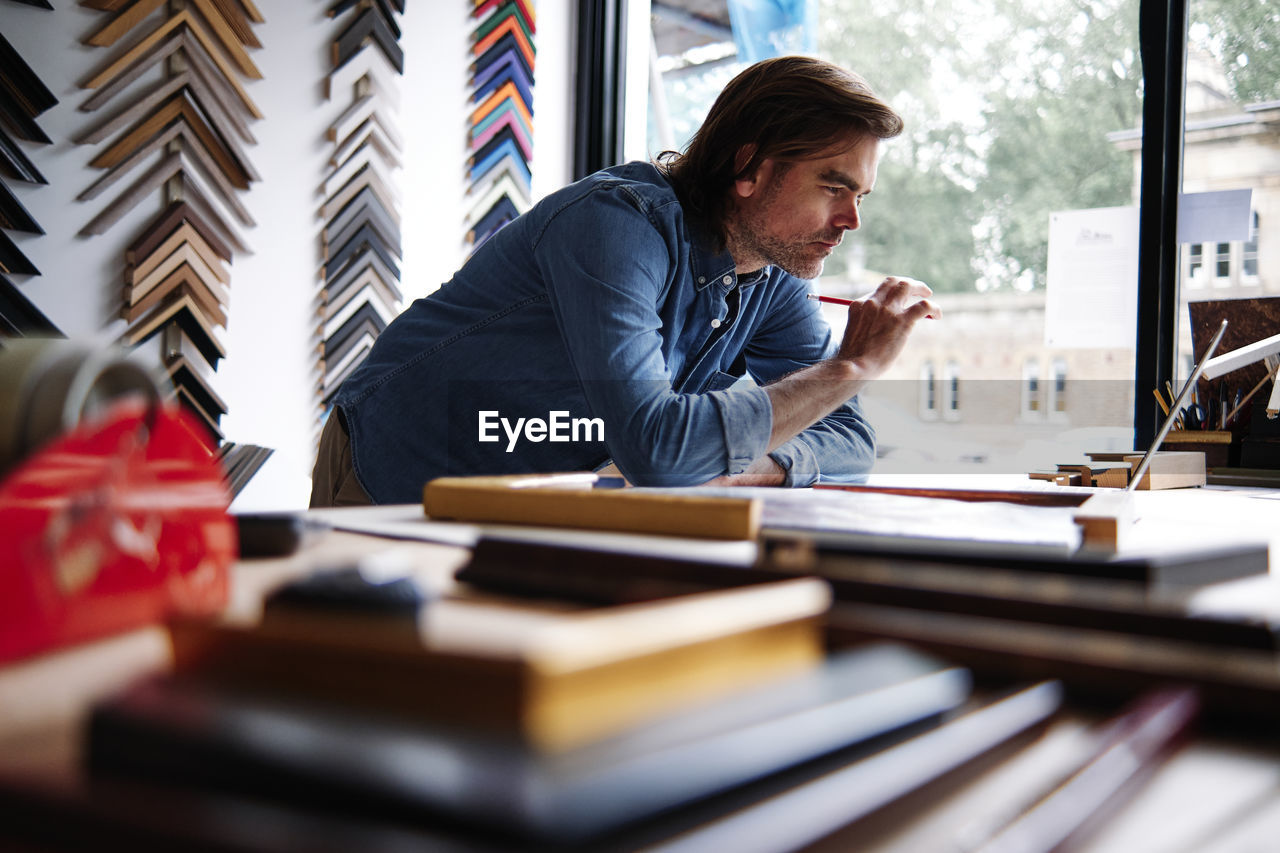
x=797, y=254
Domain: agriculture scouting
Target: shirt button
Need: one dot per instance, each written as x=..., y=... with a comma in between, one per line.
x=715, y=324
x=702, y=279
x=728, y=279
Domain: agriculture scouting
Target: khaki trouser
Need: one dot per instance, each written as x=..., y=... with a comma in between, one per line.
x=333, y=480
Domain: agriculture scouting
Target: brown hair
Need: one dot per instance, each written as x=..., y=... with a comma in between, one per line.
x=789, y=108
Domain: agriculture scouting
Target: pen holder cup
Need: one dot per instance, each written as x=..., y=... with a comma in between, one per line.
x=1219, y=446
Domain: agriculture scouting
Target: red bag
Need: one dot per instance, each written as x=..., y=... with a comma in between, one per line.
x=120, y=522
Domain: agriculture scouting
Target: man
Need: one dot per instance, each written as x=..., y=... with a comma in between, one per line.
x=612, y=322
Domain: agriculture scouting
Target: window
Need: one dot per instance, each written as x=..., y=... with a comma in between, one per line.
x=951, y=391
x=1030, y=388
x=1006, y=107
x=1057, y=406
x=1249, y=255
x=1015, y=110
x=1222, y=266
x=928, y=392
x=1229, y=142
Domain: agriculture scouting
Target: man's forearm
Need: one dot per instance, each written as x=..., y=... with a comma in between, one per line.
x=807, y=396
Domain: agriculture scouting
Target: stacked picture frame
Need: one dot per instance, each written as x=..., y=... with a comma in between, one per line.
x=360, y=282
x=171, y=128
x=499, y=173
x=23, y=98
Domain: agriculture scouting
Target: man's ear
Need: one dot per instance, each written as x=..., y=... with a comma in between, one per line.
x=746, y=185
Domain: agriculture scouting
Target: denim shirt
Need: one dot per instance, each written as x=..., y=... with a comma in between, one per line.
x=599, y=326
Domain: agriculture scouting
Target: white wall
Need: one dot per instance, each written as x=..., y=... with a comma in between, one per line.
x=269, y=377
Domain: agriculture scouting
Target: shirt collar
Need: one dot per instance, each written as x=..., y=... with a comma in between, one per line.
x=711, y=267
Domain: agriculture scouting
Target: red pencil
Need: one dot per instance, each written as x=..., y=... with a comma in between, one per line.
x=839, y=300
x=834, y=300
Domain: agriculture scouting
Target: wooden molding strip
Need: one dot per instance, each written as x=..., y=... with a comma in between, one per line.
x=509, y=27
x=362, y=110
x=507, y=118
x=12, y=261
x=335, y=315
x=502, y=188
x=369, y=25
x=365, y=314
x=22, y=83
x=512, y=162
x=19, y=316
x=482, y=7
x=366, y=332
x=122, y=23
x=334, y=347
x=180, y=107
x=200, y=65
x=184, y=255
x=369, y=210
x=365, y=198
x=15, y=116
x=174, y=164
x=127, y=165
x=13, y=216
x=189, y=372
x=364, y=158
x=369, y=275
x=140, y=50
x=154, y=178
x=198, y=197
x=16, y=164
x=181, y=283
x=183, y=395
x=346, y=278
x=201, y=93
x=502, y=212
x=367, y=295
x=237, y=18
x=105, y=5
x=367, y=63
x=371, y=131
x=208, y=171
x=365, y=178
x=135, y=14
x=503, y=185
x=337, y=370
x=188, y=315
x=175, y=216
x=140, y=265
x=363, y=241
x=226, y=34
x=184, y=375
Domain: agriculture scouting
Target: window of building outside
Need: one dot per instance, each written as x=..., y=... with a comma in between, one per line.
x=1249, y=252
x=1014, y=109
x=928, y=392
x=1231, y=142
x=951, y=390
x=1057, y=406
x=1030, y=388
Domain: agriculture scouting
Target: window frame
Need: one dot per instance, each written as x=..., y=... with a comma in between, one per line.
x=1162, y=45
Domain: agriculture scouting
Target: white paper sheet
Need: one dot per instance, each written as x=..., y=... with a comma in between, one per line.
x=1092, y=291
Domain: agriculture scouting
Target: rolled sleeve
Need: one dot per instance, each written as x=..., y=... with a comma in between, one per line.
x=747, y=419
x=799, y=462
